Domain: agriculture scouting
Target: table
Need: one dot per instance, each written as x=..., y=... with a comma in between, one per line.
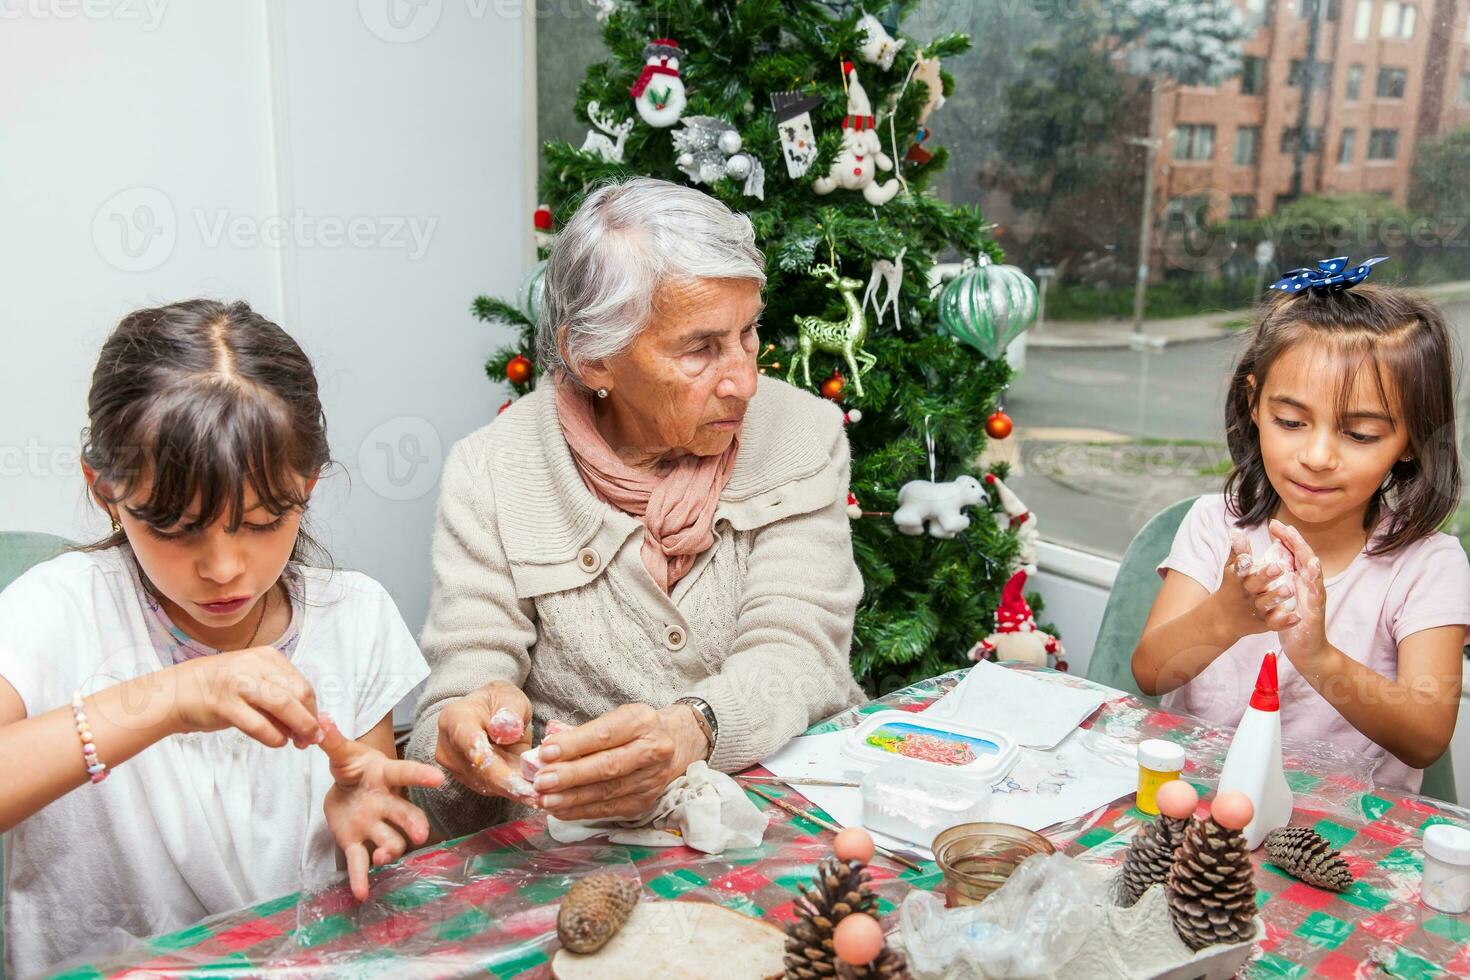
x=486, y=904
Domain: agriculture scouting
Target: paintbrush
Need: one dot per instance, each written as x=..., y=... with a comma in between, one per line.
x=801, y=781
x=807, y=815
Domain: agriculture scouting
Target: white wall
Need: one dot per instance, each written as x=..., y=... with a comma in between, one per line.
x=357, y=171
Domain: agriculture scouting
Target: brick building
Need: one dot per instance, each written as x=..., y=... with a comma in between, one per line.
x=1389, y=73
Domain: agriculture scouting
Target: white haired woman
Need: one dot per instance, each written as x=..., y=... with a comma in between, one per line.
x=652, y=546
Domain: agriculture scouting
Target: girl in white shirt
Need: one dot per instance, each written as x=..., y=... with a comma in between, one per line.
x=170, y=664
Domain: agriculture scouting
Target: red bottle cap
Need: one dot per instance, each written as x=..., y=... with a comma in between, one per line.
x=1265, y=697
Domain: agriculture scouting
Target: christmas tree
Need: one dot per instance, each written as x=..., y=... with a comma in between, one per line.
x=718, y=94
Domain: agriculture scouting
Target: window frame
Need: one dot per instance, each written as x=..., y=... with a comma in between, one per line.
x=1377, y=137
x=1255, y=146
x=1191, y=142
x=1391, y=74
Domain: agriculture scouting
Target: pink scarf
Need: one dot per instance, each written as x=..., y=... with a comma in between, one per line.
x=676, y=503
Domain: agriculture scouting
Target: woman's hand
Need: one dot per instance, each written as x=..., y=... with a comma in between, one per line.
x=468, y=750
x=618, y=765
x=364, y=805
x=258, y=691
x=1302, y=625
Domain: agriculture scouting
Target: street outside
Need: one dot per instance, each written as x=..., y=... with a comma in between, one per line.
x=1107, y=437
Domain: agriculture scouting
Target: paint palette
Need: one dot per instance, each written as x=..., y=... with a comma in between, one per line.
x=974, y=755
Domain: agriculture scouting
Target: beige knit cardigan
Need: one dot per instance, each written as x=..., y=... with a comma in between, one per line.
x=539, y=583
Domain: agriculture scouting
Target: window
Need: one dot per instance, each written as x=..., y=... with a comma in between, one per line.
x=1392, y=82
x=1363, y=22
x=1326, y=9
x=1321, y=77
x=1252, y=75
x=1398, y=21
x=1465, y=88
x=1194, y=141
x=1383, y=144
x=1164, y=405
x=1289, y=136
x=1248, y=145
x=1187, y=211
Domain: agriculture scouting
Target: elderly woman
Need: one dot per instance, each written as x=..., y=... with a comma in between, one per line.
x=652, y=546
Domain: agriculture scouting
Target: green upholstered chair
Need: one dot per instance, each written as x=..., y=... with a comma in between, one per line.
x=1132, y=597
x=19, y=550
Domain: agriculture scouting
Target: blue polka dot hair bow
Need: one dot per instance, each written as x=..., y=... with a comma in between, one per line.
x=1329, y=276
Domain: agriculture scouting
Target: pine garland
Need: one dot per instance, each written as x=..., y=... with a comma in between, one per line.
x=926, y=601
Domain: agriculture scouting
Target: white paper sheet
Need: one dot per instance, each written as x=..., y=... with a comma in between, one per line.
x=1081, y=774
x=1033, y=711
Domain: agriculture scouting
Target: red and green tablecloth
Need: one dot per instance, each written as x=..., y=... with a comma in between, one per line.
x=485, y=905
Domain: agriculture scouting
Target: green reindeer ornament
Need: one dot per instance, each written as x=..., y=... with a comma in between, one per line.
x=844, y=337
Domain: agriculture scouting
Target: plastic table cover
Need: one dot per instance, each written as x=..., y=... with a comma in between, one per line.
x=486, y=904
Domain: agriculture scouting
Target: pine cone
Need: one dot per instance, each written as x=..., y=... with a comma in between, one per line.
x=838, y=890
x=1212, y=888
x=1149, y=858
x=890, y=965
x=1303, y=853
x=593, y=910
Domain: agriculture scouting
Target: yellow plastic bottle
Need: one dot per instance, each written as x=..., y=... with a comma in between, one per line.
x=1158, y=762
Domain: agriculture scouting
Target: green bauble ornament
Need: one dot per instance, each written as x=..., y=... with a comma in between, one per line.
x=528, y=296
x=988, y=306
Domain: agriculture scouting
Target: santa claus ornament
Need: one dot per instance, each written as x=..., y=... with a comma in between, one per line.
x=861, y=156
x=659, y=92
x=1016, y=636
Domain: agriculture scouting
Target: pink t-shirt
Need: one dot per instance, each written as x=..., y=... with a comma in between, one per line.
x=1372, y=605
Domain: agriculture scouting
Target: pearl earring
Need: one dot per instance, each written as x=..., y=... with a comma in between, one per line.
x=601, y=392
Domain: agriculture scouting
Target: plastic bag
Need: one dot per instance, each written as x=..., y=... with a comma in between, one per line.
x=1029, y=927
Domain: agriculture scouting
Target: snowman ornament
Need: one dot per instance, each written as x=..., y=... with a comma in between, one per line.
x=861, y=157
x=659, y=92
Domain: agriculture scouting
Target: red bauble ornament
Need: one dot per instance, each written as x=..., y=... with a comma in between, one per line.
x=518, y=370
x=999, y=425
x=834, y=386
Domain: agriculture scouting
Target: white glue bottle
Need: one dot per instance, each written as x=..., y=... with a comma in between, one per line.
x=1253, y=764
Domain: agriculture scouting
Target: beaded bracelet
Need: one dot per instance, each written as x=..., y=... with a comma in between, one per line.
x=96, y=768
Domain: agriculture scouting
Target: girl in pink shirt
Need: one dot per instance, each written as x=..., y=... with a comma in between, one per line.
x=1340, y=420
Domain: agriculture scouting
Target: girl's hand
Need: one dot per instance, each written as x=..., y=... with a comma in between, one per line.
x=364, y=806
x=1237, y=601
x=620, y=764
x=257, y=691
x=468, y=749
x=1303, y=626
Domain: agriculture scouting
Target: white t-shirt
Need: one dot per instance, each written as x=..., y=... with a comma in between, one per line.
x=196, y=824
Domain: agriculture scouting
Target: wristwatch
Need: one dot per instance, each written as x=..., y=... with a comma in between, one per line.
x=705, y=715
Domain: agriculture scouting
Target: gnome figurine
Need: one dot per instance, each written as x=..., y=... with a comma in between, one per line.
x=1016, y=636
x=856, y=165
x=1022, y=521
